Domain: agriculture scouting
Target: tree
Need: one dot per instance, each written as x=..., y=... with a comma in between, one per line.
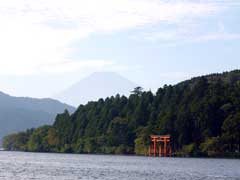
x=137, y=91
x=38, y=141
x=231, y=132
x=212, y=146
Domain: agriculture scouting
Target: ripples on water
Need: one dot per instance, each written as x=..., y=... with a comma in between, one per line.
x=39, y=166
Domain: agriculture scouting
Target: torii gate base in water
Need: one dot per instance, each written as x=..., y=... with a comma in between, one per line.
x=161, y=146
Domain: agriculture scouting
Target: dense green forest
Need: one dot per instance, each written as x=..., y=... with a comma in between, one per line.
x=202, y=115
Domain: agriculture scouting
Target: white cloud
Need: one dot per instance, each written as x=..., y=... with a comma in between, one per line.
x=70, y=66
x=34, y=35
x=189, y=33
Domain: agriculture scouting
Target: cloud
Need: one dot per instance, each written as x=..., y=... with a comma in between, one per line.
x=34, y=35
x=189, y=33
x=70, y=66
x=194, y=29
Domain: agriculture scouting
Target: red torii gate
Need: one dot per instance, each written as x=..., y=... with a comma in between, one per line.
x=157, y=147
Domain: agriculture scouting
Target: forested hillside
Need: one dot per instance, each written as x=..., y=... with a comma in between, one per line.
x=202, y=115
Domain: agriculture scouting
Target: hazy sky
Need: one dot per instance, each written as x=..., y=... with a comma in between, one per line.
x=47, y=45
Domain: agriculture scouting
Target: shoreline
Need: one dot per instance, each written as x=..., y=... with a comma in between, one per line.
x=130, y=155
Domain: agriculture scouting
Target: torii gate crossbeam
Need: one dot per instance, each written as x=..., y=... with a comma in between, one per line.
x=161, y=145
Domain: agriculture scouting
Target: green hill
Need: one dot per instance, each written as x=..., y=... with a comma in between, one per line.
x=202, y=115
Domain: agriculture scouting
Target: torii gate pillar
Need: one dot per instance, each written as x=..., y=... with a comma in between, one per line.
x=163, y=140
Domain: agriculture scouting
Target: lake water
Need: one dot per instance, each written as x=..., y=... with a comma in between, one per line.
x=40, y=166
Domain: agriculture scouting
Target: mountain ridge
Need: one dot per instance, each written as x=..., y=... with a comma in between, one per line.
x=21, y=113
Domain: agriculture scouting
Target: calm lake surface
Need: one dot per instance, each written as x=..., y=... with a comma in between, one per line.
x=39, y=166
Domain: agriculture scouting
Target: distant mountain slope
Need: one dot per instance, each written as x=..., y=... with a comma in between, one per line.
x=20, y=113
x=97, y=85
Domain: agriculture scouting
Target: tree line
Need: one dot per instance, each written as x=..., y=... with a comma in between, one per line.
x=202, y=115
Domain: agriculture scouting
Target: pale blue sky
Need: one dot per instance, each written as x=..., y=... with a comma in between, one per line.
x=49, y=45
